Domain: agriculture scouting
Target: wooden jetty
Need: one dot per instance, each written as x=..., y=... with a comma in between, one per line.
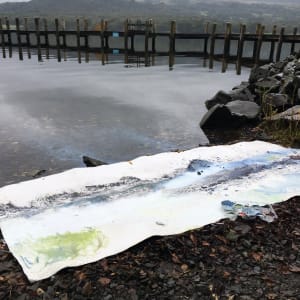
x=41, y=38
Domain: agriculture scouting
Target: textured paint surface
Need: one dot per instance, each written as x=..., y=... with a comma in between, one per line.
x=83, y=215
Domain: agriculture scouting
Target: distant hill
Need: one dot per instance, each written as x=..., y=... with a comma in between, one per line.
x=226, y=10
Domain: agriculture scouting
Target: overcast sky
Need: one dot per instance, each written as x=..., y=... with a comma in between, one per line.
x=2, y=1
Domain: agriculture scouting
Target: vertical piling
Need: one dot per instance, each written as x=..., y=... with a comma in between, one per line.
x=106, y=40
x=272, y=50
x=172, y=45
x=126, y=41
x=78, y=40
x=57, y=36
x=46, y=36
x=38, y=37
x=19, y=39
x=212, y=46
x=153, y=33
x=147, y=31
x=28, y=45
x=86, y=40
x=240, y=49
x=226, y=50
x=257, y=31
x=295, y=30
x=2, y=39
x=206, y=29
x=279, y=45
x=259, y=44
x=8, y=37
x=102, y=43
x=205, y=45
x=63, y=24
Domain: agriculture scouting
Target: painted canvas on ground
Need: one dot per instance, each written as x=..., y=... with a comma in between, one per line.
x=83, y=215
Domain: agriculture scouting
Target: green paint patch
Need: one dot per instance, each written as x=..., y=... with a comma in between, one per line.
x=60, y=247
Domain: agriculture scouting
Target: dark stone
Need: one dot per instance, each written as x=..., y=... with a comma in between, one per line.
x=39, y=173
x=91, y=162
x=231, y=115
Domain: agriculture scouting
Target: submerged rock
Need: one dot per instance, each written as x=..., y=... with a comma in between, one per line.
x=92, y=162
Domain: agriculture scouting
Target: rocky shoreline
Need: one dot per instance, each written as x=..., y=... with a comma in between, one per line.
x=268, y=103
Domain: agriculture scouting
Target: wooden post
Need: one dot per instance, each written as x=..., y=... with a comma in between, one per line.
x=86, y=40
x=240, y=49
x=9, y=37
x=147, y=27
x=272, y=50
x=78, y=40
x=257, y=31
x=2, y=39
x=226, y=51
x=57, y=35
x=259, y=44
x=46, y=38
x=206, y=29
x=19, y=39
x=206, y=39
x=153, y=32
x=279, y=45
x=126, y=41
x=212, y=46
x=106, y=40
x=172, y=45
x=28, y=45
x=63, y=23
x=293, y=43
x=38, y=37
x=131, y=38
x=102, y=42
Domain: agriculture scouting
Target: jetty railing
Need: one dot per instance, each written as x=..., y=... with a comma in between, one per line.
x=21, y=36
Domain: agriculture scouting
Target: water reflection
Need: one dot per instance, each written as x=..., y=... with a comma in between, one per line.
x=52, y=114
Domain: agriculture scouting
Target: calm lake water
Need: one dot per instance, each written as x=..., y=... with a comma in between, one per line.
x=53, y=113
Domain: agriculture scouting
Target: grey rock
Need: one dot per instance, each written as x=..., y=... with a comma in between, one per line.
x=220, y=97
x=247, y=109
x=276, y=100
x=268, y=84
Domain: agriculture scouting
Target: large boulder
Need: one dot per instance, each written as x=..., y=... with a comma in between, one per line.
x=232, y=115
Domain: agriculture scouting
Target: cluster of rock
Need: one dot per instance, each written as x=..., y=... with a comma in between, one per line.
x=272, y=92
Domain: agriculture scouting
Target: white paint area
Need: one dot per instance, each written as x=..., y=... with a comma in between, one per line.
x=253, y=172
